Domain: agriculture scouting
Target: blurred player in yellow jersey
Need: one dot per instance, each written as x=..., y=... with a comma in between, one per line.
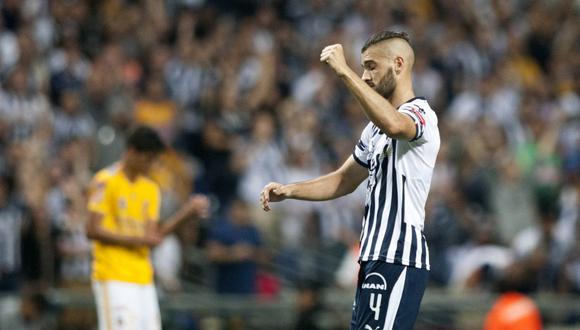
x=124, y=225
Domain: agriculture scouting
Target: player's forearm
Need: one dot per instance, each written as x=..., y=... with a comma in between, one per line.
x=170, y=225
x=108, y=237
x=380, y=111
x=219, y=253
x=324, y=188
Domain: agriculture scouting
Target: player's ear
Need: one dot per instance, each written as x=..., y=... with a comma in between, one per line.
x=399, y=63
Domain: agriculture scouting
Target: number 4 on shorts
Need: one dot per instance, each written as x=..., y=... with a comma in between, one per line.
x=376, y=308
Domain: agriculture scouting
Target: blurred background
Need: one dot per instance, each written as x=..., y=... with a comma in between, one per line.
x=236, y=88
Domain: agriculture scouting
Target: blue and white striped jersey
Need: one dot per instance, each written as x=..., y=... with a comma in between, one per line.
x=399, y=179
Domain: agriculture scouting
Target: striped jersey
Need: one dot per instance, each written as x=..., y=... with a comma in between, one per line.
x=399, y=179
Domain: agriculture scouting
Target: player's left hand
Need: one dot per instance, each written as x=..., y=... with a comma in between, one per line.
x=198, y=206
x=333, y=55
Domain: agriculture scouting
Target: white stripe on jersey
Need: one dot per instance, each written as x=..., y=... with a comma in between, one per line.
x=407, y=247
x=418, y=235
x=399, y=179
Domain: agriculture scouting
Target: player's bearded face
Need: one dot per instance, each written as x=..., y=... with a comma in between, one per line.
x=386, y=86
x=141, y=162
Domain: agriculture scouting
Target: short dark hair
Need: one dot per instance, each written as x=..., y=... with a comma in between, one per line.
x=145, y=139
x=385, y=35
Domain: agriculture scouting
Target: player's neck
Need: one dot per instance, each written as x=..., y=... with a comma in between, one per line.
x=401, y=95
x=130, y=173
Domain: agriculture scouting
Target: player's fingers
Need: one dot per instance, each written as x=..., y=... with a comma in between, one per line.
x=327, y=51
x=270, y=189
x=265, y=205
x=265, y=194
x=266, y=200
x=333, y=46
x=327, y=48
x=263, y=198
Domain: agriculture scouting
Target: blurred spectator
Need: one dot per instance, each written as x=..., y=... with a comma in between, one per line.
x=71, y=121
x=235, y=247
x=70, y=69
x=22, y=106
x=73, y=247
x=540, y=247
x=12, y=220
x=156, y=110
x=214, y=149
x=511, y=189
x=476, y=265
x=309, y=307
x=260, y=157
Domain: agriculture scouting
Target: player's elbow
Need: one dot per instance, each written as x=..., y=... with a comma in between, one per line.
x=397, y=130
x=346, y=186
x=92, y=226
x=91, y=231
x=394, y=129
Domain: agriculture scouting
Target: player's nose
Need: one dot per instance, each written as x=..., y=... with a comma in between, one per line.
x=366, y=77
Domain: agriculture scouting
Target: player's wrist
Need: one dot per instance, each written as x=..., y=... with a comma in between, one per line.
x=342, y=71
x=288, y=191
x=347, y=74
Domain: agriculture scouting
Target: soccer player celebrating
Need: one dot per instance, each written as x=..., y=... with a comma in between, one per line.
x=397, y=152
x=124, y=211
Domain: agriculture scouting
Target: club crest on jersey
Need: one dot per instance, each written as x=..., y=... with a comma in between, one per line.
x=122, y=203
x=374, y=281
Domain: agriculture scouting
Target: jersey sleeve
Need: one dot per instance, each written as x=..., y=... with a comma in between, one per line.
x=99, y=196
x=419, y=117
x=361, y=150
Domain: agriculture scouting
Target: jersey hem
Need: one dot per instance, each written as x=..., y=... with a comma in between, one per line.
x=117, y=279
x=393, y=261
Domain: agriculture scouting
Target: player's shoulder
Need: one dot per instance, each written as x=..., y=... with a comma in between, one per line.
x=106, y=174
x=419, y=103
x=420, y=106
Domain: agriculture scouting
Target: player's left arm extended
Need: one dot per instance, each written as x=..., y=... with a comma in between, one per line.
x=378, y=109
x=196, y=207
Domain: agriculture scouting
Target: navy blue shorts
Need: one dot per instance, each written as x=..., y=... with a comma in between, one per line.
x=388, y=296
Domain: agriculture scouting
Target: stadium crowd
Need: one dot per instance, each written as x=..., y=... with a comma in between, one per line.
x=236, y=88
